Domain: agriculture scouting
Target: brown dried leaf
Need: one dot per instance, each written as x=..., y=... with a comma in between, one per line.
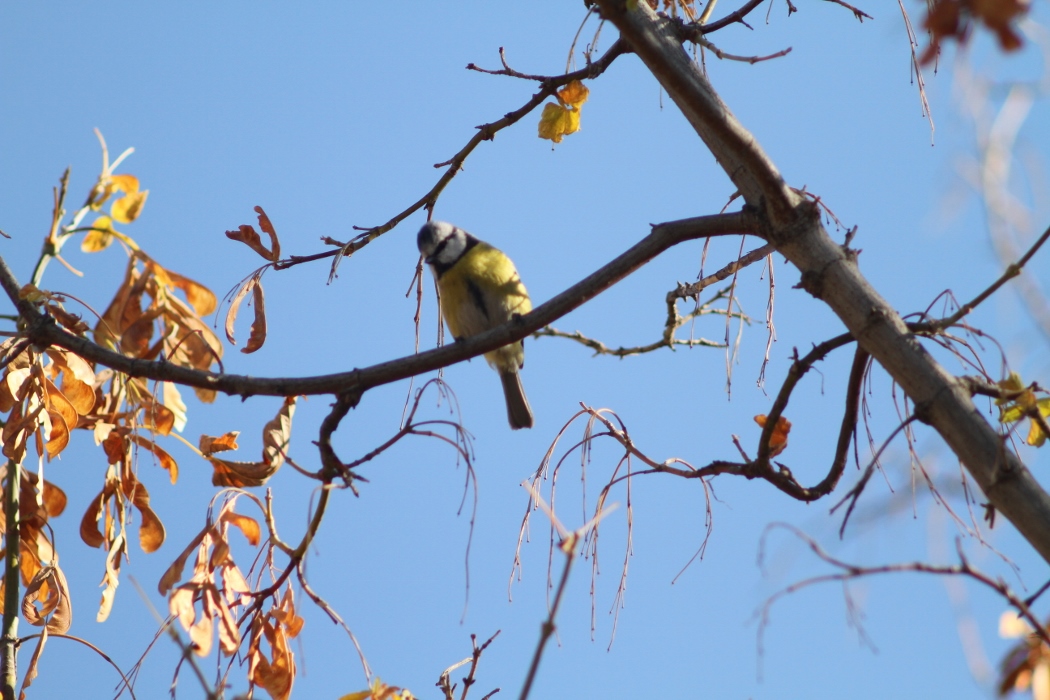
x=50, y=590
x=165, y=459
x=194, y=343
x=215, y=607
x=16, y=432
x=247, y=234
x=115, y=447
x=258, y=336
x=201, y=298
x=277, y=675
x=58, y=437
x=125, y=308
x=72, y=322
x=248, y=526
x=205, y=395
x=201, y=635
x=276, y=435
x=89, y=530
x=157, y=418
x=235, y=306
x=265, y=225
x=58, y=403
x=210, y=445
x=174, y=572
x=151, y=529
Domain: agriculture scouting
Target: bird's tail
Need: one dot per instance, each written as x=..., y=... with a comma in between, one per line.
x=518, y=412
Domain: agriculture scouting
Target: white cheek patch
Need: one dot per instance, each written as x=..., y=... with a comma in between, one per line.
x=453, y=248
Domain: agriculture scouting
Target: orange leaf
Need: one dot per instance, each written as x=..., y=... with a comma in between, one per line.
x=778, y=440
x=248, y=526
x=200, y=297
x=574, y=94
x=58, y=437
x=151, y=529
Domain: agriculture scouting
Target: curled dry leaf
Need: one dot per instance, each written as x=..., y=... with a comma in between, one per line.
x=249, y=236
x=258, y=333
x=210, y=445
x=276, y=435
x=49, y=590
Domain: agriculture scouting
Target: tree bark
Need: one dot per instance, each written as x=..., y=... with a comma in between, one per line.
x=829, y=272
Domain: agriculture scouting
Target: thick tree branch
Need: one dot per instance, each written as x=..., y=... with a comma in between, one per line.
x=44, y=331
x=830, y=273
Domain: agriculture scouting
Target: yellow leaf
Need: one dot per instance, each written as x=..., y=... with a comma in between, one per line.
x=125, y=183
x=557, y=121
x=100, y=237
x=1036, y=436
x=127, y=208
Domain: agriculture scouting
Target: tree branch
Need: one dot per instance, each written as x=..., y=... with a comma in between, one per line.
x=830, y=273
x=43, y=330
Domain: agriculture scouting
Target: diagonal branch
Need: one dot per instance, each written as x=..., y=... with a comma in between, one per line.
x=830, y=273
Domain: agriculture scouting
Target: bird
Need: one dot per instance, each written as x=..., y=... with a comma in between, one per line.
x=480, y=289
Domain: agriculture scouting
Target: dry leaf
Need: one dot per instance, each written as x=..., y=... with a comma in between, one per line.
x=258, y=336
x=258, y=332
x=165, y=459
x=276, y=436
x=210, y=445
x=249, y=527
x=778, y=440
x=248, y=235
x=50, y=590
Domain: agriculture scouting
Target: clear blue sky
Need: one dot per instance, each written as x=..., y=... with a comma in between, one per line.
x=331, y=115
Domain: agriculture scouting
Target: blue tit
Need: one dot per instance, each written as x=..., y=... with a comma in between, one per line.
x=480, y=289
